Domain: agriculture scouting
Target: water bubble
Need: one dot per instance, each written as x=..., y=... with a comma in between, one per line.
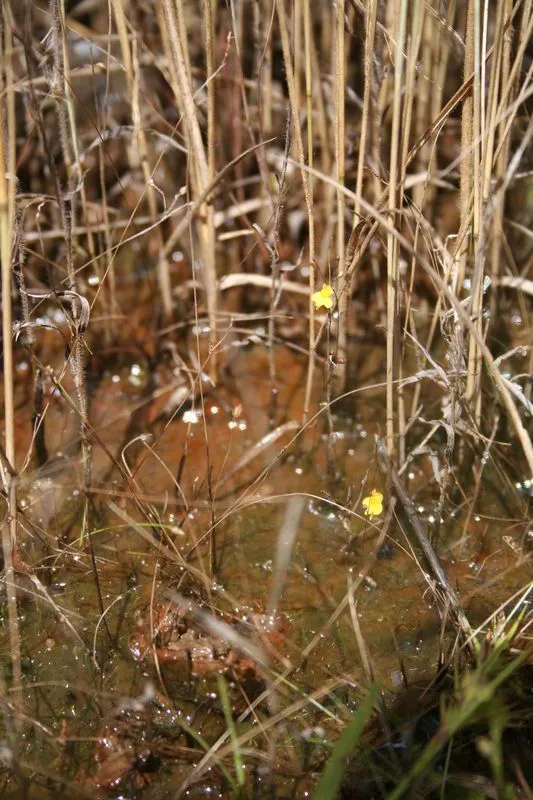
x=200, y=330
x=136, y=375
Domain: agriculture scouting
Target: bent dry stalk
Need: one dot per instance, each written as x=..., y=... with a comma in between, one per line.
x=451, y=600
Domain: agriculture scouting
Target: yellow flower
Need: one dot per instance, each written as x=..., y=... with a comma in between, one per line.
x=373, y=504
x=323, y=297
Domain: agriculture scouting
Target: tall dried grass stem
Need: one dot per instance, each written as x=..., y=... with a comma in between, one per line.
x=285, y=44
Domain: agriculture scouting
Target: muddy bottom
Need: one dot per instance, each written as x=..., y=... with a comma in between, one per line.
x=152, y=604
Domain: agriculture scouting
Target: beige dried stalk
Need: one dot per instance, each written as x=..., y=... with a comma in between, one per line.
x=285, y=44
x=502, y=149
x=199, y=168
x=392, y=242
x=139, y=154
x=67, y=200
x=342, y=284
x=7, y=224
x=412, y=84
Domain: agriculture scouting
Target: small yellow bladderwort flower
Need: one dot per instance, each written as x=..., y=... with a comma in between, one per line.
x=324, y=297
x=373, y=504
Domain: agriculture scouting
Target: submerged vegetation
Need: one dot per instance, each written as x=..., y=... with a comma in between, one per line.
x=266, y=462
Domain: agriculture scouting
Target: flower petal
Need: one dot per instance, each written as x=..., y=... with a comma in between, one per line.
x=323, y=298
x=373, y=504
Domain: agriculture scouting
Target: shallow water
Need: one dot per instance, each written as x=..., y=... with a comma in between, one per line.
x=118, y=684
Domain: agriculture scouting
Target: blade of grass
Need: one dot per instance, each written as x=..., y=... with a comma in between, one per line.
x=205, y=746
x=331, y=779
x=477, y=692
x=230, y=723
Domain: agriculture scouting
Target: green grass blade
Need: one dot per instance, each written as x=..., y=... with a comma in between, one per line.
x=207, y=747
x=478, y=692
x=230, y=722
x=330, y=780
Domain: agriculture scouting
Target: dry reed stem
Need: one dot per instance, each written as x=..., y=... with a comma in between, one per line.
x=473, y=387
x=199, y=167
x=343, y=295
x=461, y=315
x=298, y=50
x=7, y=220
x=266, y=12
x=370, y=35
x=74, y=165
x=411, y=89
x=392, y=242
x=209, y=26
x=138, y=154
x=67, y=203
x=451, y=600
x=466, y=165
x=371, y=132
x=284, y=35
x=309, y=91
x=503, y=146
